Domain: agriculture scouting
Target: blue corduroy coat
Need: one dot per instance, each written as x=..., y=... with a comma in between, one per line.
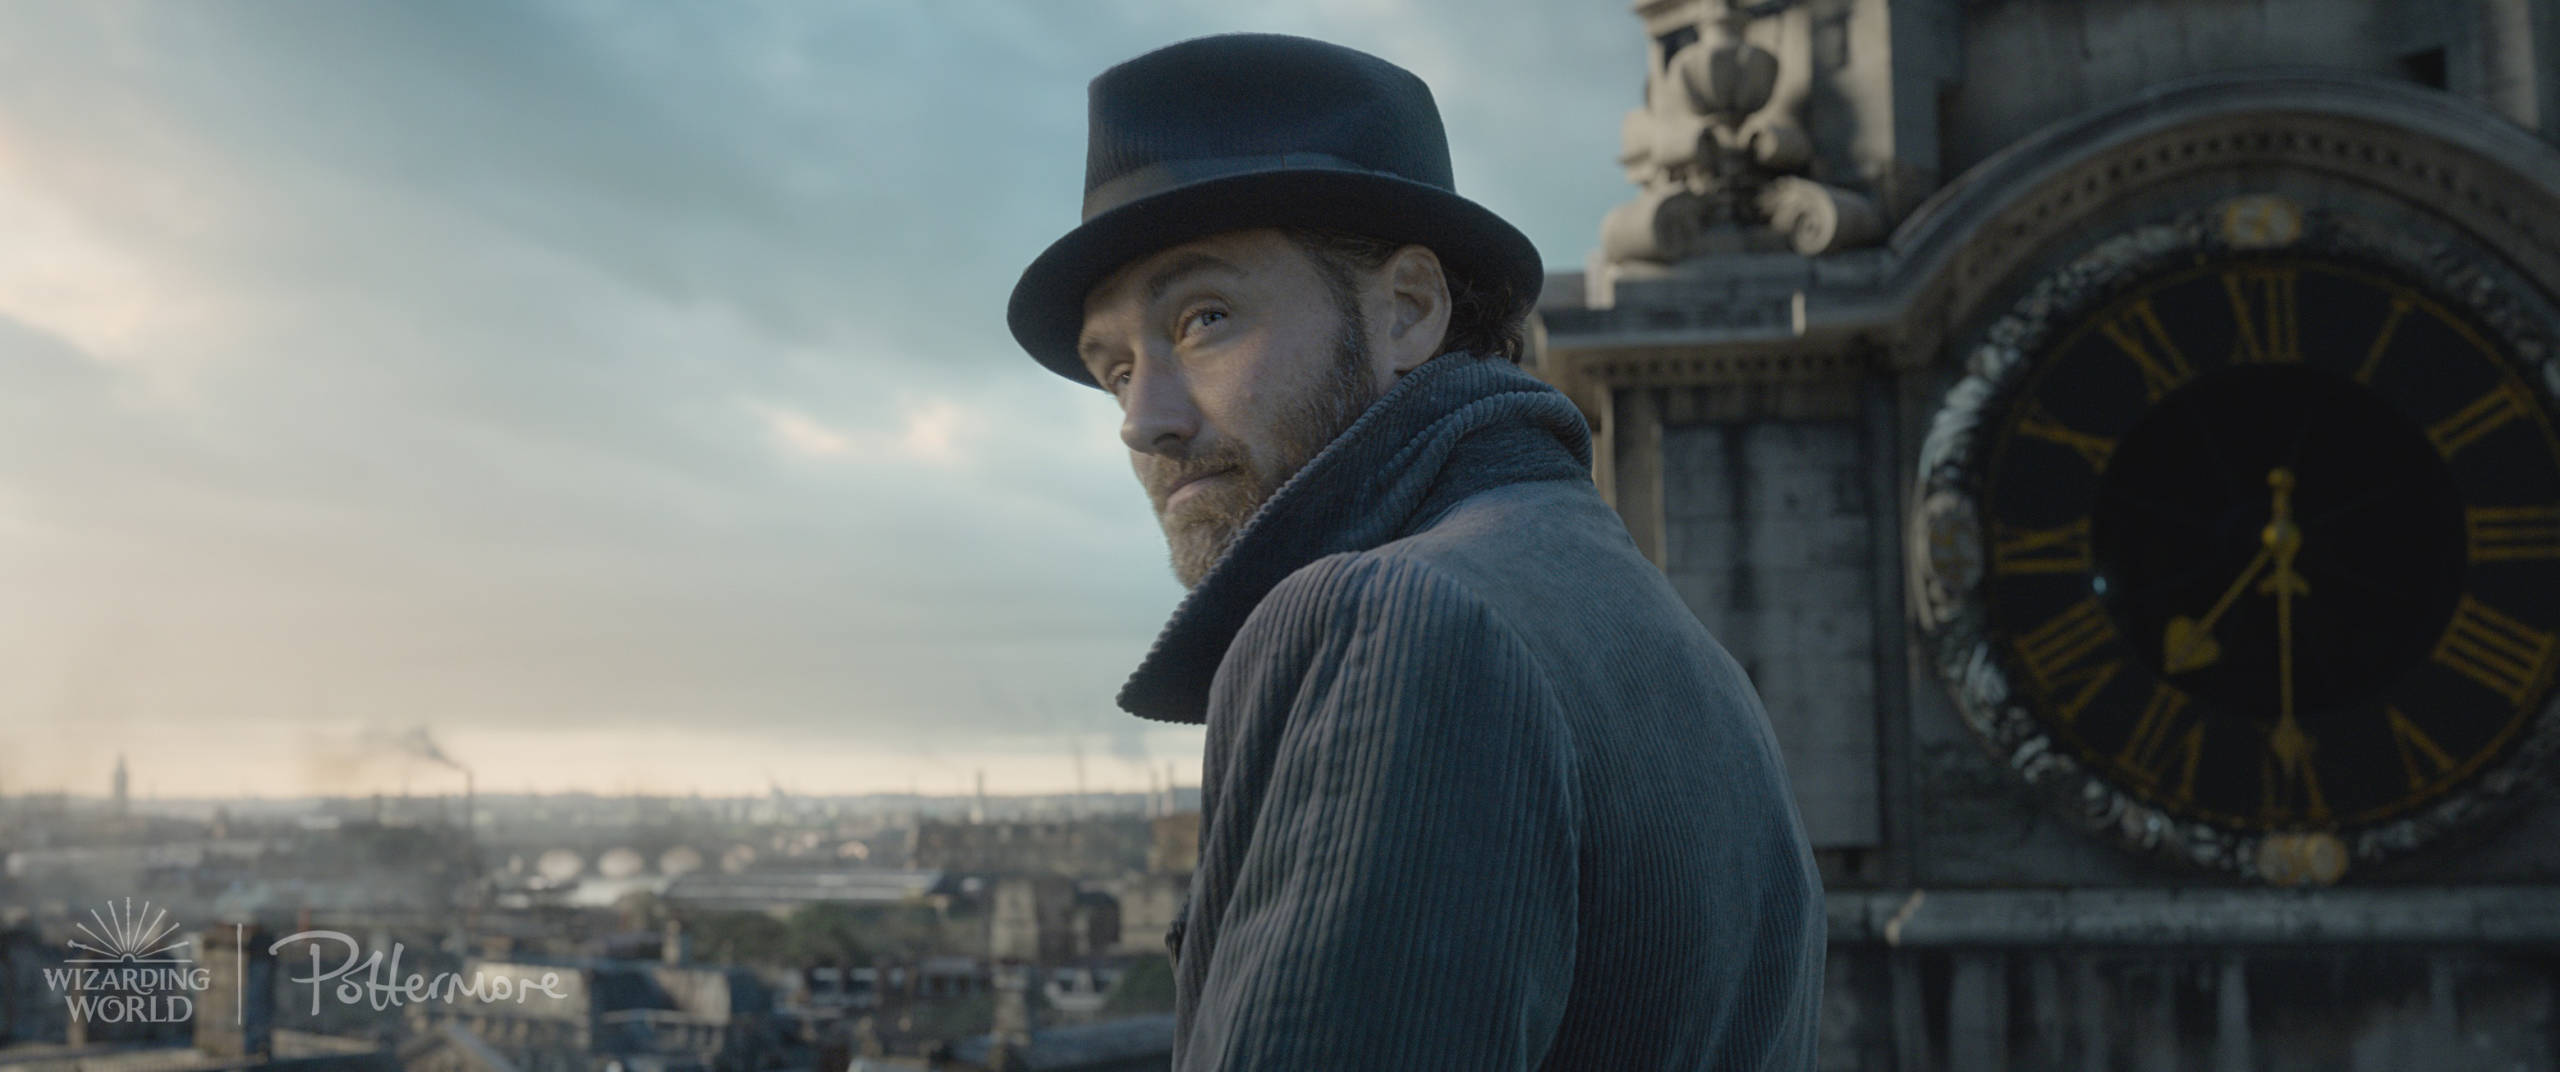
x=1480, y=791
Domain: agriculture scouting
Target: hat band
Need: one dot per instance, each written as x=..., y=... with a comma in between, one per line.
x=1156, y=178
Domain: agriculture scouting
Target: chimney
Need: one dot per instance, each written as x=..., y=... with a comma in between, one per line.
x=671, y=947
x=236, y=1011
x=1017, y=1011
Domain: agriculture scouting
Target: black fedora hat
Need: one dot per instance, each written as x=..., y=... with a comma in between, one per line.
x=1240, y=131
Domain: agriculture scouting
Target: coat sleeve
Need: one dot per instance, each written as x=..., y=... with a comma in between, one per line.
x=1408, y=900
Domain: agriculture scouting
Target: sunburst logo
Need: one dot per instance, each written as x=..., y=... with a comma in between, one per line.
x=125, y=935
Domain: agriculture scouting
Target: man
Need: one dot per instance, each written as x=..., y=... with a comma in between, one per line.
x=1480, y=792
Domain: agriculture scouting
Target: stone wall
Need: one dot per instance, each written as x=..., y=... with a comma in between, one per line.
x=1769, y=538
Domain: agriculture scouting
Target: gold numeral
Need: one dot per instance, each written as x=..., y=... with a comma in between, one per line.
x=2400, y=306
x=2053, y=653
x=2139, y=333
x=2085, y=683
x=2414, y=746
x=2262, y=306
x=2502, y=533
x=2502, y=404
x=2036, y=421
x=2071, y=636
x=2193, y=745
x=2504, y=655
x=2024, y=550
x=2146, y=753
x=2290, y=785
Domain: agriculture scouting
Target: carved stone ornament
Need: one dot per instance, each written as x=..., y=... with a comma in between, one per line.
x=1721, y=170
x=2364, y=402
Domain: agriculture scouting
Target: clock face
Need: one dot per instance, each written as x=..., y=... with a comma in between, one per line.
x=2240, y=539
x=2274, y=543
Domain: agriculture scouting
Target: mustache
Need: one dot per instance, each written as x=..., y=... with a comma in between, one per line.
x=1161, y=474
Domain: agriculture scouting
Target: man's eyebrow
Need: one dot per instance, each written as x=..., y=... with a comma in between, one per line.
x=1194, y=261
x=1162, y=280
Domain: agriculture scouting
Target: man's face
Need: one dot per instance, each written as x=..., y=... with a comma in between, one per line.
x=1233, y=365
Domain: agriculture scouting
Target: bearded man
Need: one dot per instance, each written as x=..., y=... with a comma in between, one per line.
x=1480, y=792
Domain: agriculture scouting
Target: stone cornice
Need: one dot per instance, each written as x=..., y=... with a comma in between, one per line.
x=2500, y=915
x=1782, y=318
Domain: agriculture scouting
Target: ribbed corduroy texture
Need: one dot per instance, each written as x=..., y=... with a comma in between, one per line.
x=1480, y=792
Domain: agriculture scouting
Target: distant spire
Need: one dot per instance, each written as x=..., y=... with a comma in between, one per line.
x=1077, y=812
x=123, y=798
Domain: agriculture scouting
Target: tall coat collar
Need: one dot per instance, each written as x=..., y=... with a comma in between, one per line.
x=1452, y=427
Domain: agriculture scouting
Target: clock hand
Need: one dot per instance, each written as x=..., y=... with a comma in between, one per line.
x=2291, y=746
x=2189, y=644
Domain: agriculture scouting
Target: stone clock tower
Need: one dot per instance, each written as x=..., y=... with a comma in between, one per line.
x=2122, y=442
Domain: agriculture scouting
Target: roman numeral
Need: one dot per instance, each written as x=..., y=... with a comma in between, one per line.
x=2262, y=308
x=2291, y=792
x=2052, y=649
x=2504, y=655
x=2487, y=414
x=2148, y=751
x=2055, y=652
x=2025, y=550
x=2039, y=422
x=2400, y=306
x=2193, y=745
x=2414, y=746
x=2506, y=533
x=2138, y=332
x=2086, y=682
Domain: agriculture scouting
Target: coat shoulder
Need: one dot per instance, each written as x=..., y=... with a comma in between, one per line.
x=1385, y=586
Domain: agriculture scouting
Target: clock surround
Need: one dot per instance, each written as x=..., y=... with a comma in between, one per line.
x=2162, y=713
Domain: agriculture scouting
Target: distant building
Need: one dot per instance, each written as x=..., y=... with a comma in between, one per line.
x=1086, y=848
x=1048, y=919
x=780, y=892
x=1027, y=918
x=232, y=1029
x=1130, y=1044
x=1147, y=905
x=1173, y=844
x=453, y=1048
x=295, y=1052
x=616, y=1013
x=28, y=1011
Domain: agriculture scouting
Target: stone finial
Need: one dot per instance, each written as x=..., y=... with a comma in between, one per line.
x=1719, y=168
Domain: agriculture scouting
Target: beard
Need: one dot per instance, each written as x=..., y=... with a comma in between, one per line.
x=1204, y=526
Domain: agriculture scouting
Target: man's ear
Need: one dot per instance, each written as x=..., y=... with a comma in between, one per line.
x=1418, y=308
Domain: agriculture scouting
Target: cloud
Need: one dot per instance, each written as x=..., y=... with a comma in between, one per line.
x=800, y=434
x=933, y=432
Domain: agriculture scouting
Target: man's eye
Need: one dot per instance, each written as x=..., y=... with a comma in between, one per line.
x=1116, y=379
x=1201, y=317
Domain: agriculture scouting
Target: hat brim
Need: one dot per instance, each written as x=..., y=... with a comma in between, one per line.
x=1047, y=309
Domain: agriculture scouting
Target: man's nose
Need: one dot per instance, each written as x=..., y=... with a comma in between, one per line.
x=1161, y=417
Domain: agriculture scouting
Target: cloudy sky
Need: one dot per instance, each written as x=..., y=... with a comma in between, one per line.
x=618, y=390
